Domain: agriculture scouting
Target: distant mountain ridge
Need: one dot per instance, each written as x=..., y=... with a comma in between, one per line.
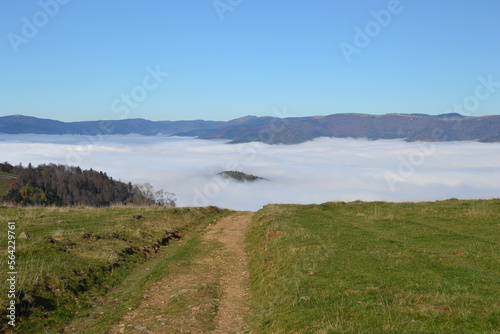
x=273, y=130
x=18, y=124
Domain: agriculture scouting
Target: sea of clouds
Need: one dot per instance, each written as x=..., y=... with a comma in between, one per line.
x=326, y=169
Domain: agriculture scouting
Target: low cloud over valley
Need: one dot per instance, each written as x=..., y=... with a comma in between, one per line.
x=317, y=171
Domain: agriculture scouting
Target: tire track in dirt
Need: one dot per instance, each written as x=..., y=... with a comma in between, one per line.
x=208, y=296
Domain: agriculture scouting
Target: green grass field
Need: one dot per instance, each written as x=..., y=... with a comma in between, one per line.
x=332, y=268
x=376, y=268
x=5, y=179
x=75, y=256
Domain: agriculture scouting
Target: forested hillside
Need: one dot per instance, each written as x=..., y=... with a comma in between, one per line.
x=62, y=185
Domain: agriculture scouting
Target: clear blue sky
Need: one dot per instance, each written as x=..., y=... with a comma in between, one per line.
x=263, y=55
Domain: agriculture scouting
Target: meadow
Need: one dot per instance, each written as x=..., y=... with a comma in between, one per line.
x=376, y=267
x=356, y=267
x=76, y=256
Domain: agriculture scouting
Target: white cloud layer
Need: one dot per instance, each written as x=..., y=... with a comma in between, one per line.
x=313, y=172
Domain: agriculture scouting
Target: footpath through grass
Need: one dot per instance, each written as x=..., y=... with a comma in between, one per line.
x=76, y=256
x=376, y=267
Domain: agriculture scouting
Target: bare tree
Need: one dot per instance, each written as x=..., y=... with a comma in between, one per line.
x=165, y=198
x=160, y=197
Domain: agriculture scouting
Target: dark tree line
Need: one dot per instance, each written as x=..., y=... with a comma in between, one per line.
x=63, y=185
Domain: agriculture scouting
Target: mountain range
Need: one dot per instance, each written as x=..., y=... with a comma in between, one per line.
x=273, y=130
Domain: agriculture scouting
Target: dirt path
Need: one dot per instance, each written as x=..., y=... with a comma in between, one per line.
x=207, y=296
x=233, y=306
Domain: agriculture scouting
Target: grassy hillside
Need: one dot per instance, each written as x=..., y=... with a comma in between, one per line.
x=5, y=179
x=337, y=267
x=76, y=255
x=376, y=267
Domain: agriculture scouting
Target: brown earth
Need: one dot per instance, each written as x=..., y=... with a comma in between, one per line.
x=208, y=296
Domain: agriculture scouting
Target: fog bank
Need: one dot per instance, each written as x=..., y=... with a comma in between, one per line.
x=326, y=169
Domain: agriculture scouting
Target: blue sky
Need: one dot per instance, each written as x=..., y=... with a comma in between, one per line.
x=274, y=57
